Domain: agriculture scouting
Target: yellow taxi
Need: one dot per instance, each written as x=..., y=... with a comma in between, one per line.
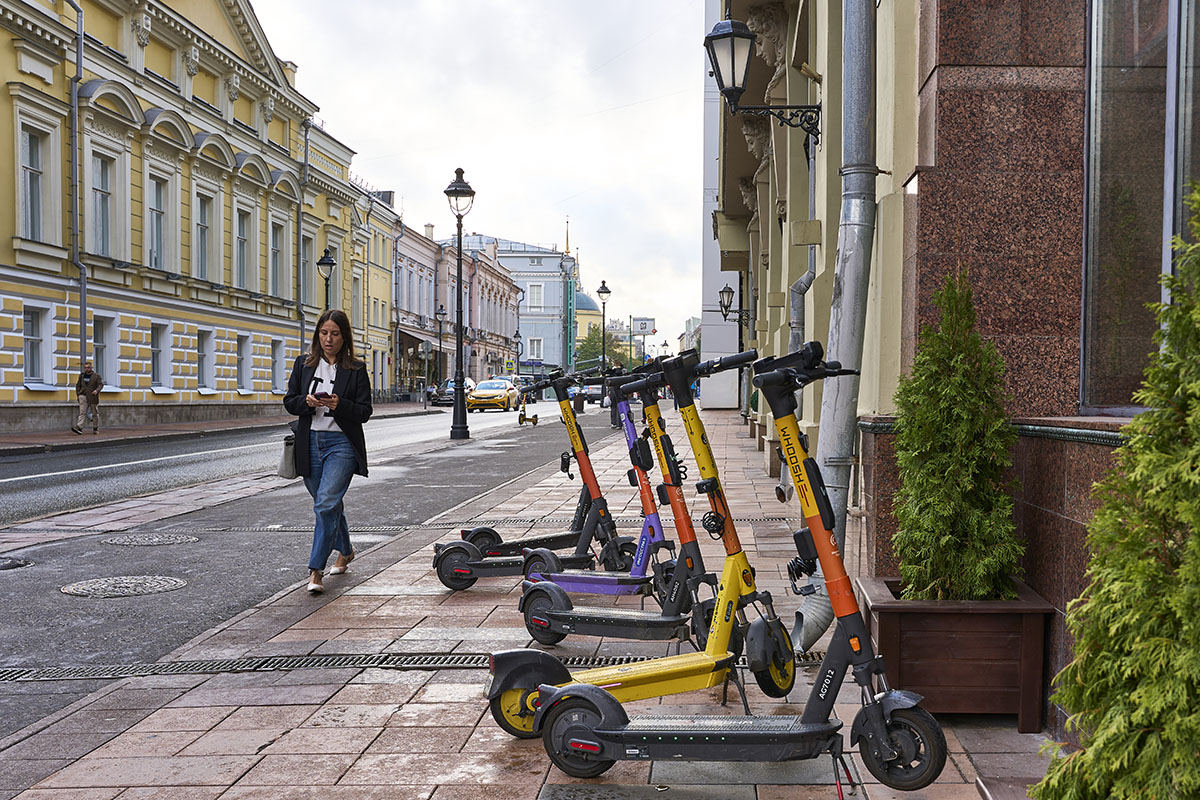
x=496, y=393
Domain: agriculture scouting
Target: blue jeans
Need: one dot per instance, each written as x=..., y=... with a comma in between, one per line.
x=331, y=466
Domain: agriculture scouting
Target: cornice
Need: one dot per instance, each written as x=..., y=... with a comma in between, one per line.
x=49, y=32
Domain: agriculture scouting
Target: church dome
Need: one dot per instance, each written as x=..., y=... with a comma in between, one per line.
x=585, y=303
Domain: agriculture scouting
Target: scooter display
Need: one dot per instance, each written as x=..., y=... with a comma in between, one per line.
x=549, y=612
x=516, y=677
x=585, y=729
x=460, y=564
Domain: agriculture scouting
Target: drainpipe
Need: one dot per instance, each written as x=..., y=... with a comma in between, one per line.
x=306, y=124
x=75, y=80
x=856, y=230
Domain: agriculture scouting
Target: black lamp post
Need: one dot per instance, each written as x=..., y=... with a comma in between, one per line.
x=325, y=265
x=666, y=348
x=441, y=317
x=461, y=196
x=725, y=301
x=603, y=293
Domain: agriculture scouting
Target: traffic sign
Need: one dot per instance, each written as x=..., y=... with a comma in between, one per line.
x=510, y=365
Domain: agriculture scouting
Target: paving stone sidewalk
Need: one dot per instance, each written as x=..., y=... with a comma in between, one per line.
x=425, y=734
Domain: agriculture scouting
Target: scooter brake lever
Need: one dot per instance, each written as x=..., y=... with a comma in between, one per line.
x=564, y=464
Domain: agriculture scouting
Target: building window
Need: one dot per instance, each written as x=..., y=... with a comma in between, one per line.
x=34, y=346
x=101, y=332
x=356, y=302
x=535, y=350
x=277, y=365
x=154, y=224
x=535, y=262
x=243, y=363
x=536, y=297
x=102, y=174
x=32, y=145
x=276, y=267
x=160, y=344
x=306, y=271
x=242, y=255
x=1143, y=151
x=204, y=355
x=203, y=233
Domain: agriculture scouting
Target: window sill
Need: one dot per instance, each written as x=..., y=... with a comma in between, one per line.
x=204, y=391
x=42, y=387
x=279, y=392
x=110, y=390
x=161, y=390
x=245, y=392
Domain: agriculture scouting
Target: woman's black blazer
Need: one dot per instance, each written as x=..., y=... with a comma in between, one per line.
x=353, y=388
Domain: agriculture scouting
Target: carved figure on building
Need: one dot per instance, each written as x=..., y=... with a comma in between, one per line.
x=191, y=60
x=769, y=23
x=758, y=139
x=268, y=109
x=139, y=23
x=233, y=84
x=749, y=193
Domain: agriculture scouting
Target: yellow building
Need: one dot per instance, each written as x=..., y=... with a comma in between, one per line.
x=168, y=203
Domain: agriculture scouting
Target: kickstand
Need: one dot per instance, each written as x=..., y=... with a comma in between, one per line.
x=840, y=760
x=741, y=690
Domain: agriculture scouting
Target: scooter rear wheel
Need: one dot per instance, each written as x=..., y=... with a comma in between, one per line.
x=446, y=565
x=922, y=747
x=506, y=710
x=537, y=606
x=483, y=537
x=571, y=716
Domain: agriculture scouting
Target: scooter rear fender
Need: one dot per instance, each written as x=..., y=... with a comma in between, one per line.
x=612, y=715
x=556, y=593
x=889, y=701
x=472, y=552
x=524, y=669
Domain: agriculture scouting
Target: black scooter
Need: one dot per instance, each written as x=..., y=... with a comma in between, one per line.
x=585, y=730
x=459, y=564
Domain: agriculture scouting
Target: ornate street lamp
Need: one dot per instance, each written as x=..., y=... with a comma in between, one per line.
x=441, y=317
x=603, y=293
x=461, y=196
x=725, y=301
x=325, y=265
x=729, y=46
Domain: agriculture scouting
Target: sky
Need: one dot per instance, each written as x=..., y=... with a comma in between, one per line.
x=555, y=109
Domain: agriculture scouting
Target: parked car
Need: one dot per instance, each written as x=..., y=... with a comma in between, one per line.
x=444, y=395
x=593, y=393
x=494, y=393
x=522, y=381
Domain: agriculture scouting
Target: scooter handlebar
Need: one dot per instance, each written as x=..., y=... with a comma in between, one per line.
x=542, y=385
x=650, y=381
x=716, y=365
x=591, y=380
x=795, y=378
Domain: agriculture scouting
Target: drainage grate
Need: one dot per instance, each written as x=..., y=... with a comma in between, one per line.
x=124, y=586
x=404, y=661
x=149, y=539
x=506, y=522
x=13, y=563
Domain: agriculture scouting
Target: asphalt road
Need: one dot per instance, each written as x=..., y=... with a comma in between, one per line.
x=247, y=549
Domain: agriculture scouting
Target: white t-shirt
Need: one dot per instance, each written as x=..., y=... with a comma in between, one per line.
x=323, y=382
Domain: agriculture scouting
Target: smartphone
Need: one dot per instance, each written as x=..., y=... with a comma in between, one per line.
x=322, y=395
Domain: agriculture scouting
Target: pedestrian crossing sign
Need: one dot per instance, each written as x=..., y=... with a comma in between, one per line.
x=510, y=365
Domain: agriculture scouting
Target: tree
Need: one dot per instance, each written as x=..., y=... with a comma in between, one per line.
x=1133, y=688
x=956, y=539
x=589, y=348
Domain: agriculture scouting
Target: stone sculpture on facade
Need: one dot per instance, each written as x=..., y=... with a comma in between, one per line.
x=769, y=23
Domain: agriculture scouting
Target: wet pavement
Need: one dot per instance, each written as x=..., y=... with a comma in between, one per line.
x=344, y=730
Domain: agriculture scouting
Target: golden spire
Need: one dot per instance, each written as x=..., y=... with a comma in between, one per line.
x=567, y=252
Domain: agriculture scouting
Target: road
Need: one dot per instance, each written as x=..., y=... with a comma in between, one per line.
x=244, y=551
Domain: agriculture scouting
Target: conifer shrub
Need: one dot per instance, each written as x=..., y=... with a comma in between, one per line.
x=956, y=538
x=1133, y=687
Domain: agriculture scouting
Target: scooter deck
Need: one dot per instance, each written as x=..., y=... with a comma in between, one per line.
x=515, y=565
x=628, y=623
x=658, y=677
x=721, y=738
x=551, y=541
x=585, y=581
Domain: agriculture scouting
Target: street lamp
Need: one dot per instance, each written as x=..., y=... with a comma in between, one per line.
x=666, y=348
x=725, y=301
x=603, y=293
x=460, y=195
x=325, y=265
x=729, y=46
x=441, y=317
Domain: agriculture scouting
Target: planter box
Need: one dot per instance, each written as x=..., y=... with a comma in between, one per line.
x=964, y=657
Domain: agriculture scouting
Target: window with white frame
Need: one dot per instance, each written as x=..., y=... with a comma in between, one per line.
x=535, y=349
x=102, y=333
x=276, y=256
x=202, y=246
x=204, y=360
x=102, y=204
x=536, y=296
x=277, y=365
x=242, y=250
x=156, y=207
x=35, y=345
x=160, y=355
x=243, y=363
x=33, y=145
x=356, y=302
x=306, y=270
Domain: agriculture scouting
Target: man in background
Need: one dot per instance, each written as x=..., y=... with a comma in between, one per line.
x=87, y=391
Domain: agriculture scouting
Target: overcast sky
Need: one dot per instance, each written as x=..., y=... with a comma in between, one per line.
x=553, y=108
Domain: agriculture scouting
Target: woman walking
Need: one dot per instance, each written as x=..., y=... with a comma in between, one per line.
x=330, y=391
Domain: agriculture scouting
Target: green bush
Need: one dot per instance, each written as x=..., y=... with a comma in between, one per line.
x=1133, y=688
x=956, y=538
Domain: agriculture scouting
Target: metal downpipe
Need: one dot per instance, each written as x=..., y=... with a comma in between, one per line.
x=847, y=320
x=75, y=80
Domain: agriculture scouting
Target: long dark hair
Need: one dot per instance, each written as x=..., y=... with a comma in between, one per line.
x=346, y=359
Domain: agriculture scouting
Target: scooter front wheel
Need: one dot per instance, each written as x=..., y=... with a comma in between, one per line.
x=565, y=721
x=506, y=709
x=777, y=681
x=538, y=623
x=446, y=565
x=916, y=736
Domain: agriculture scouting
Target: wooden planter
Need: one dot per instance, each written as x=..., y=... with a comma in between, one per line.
x=971, y=657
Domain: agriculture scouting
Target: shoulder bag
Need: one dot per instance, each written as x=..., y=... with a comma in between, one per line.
x=287, y=461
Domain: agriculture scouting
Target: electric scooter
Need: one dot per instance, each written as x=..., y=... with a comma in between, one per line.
x=516, y=677
x=545, y=602
x=460, y=564
x=585, y=729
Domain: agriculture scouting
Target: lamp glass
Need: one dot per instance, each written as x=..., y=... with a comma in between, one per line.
x=460, y=194
x=325, y=264
x=603, y=292
x=726, y=300
x=441, y=312
x=730, y=45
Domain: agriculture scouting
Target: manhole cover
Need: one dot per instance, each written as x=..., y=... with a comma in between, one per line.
x=13, y=563
x=150, y=539
x=124, y=586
